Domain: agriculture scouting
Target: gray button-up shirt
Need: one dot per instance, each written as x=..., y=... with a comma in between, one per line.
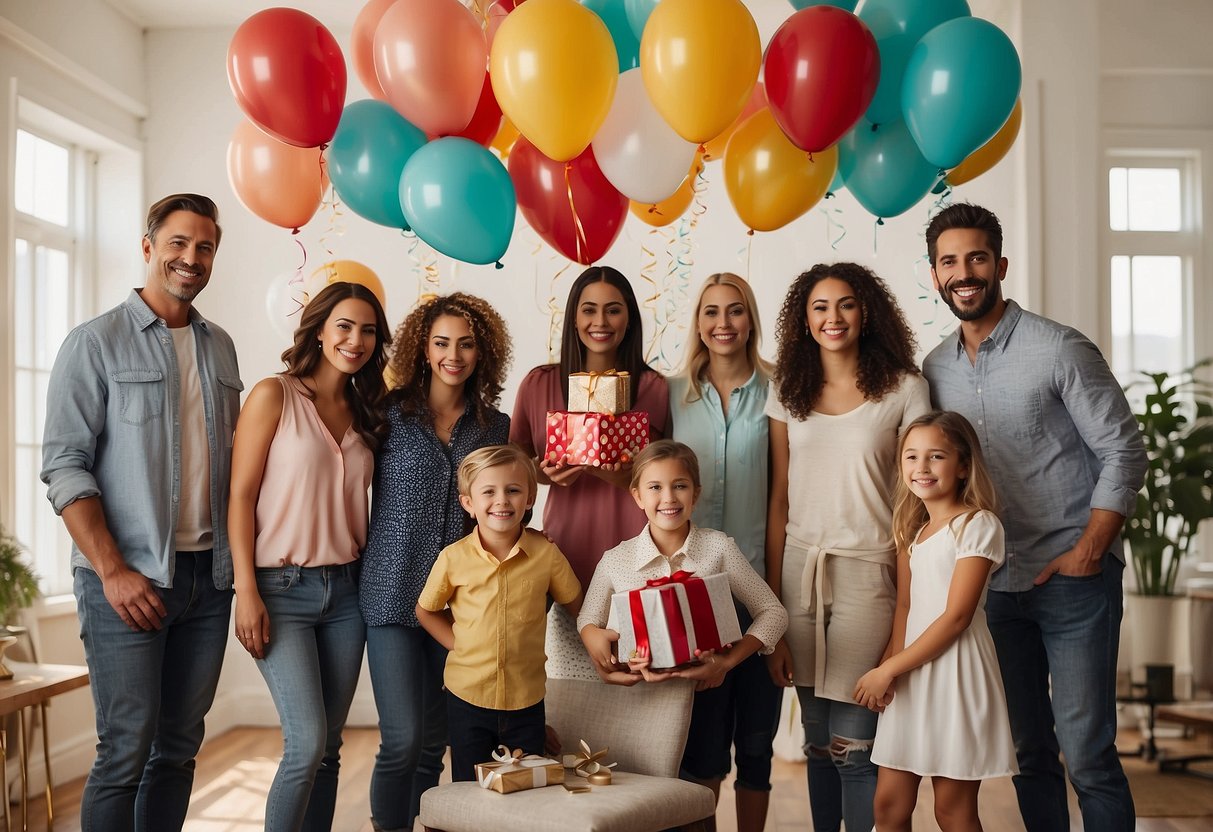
x=1057, y=432
x=113, y=431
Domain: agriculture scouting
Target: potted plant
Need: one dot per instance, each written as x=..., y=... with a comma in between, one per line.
x=1176, y=422
x=18, y=589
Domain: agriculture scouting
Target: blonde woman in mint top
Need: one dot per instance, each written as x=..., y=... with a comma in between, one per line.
x=845, y=384
x=301, y=465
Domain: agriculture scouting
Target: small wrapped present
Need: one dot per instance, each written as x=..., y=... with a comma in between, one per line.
x=595, y=438
x=511, y=771
x=589, y=764
x=675, y=616
x=608, y=392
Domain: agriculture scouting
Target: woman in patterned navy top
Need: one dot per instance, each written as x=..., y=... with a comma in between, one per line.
x=449, y=359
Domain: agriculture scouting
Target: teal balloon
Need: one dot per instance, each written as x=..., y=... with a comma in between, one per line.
x=366, y=157
x=627, y=43
x=845, y=5
x=638, y=12
x=838, y=182
x=898, y=25
x=960, y=86
x=459, y=199
x=884, y=169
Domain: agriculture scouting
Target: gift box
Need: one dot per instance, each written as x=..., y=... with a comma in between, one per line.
x=674, y=617
x=511, y=771
x=608, y=392
x=595, y=438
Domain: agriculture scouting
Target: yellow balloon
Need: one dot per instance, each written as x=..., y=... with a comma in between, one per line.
x=771, y=181
x=663, y=213
x=699, y=60
x=347, y=271
x=554, y=70
x=990, y=153
x=503, y=142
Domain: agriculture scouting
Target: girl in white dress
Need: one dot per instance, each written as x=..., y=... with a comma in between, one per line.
x=948, y=719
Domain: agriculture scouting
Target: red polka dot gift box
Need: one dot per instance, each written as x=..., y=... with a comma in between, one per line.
x=577, y=438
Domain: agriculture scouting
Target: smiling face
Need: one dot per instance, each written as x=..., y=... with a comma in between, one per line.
x=602, y=321
x=667, y=494
x=179, y=259
x=966, y=273
x=498, y=498
x=931, y=466
x=450, y=350
x=834, y=315
x=724, y=321
x=349, y=335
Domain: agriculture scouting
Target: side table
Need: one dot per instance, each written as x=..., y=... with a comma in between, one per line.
x=32, y=685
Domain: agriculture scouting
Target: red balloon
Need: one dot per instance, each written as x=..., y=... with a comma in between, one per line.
x=571, y=205
x=821, y=70
x=486, y=121
x=288, y=76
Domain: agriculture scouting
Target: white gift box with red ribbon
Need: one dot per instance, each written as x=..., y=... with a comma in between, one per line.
x=675, y=617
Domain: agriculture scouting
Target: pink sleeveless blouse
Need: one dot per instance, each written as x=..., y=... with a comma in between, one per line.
x=312, y=509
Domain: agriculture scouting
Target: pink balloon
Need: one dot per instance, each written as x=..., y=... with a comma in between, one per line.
x=362, y=45
x=278, y=182
x=430, y=58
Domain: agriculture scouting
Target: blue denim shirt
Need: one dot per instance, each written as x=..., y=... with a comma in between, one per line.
x=1057, y=433
x=113, y=431
x=733, y=460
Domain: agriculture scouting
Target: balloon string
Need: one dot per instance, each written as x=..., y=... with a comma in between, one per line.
x=335, y=227
x=875, y=236
x=647, y=270
x=579, y=230
x=831, y=224
x=699, y=205
x=554, y=312
x=749, y=253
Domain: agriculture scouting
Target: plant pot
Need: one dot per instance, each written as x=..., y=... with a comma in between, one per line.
x=1156, y=632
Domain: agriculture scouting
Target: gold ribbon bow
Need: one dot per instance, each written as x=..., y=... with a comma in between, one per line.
x=586, y=762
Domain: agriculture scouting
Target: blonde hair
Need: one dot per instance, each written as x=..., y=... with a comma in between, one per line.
x=976, y=491
x=491, y=456
x=666, y=449
x=695, y=361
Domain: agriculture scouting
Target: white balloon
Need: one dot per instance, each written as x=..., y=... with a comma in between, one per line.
x=769, y=15
x=638, y=152
x=284, y=301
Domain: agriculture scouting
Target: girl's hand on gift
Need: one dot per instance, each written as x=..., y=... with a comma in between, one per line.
x=874, y=689
x=779, y=665
x=598, y=643
x=560, y=472
x=639, y=663
x=623, y=678
x=710, y=671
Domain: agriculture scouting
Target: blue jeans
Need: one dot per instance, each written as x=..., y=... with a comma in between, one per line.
x=311, y=665
x=1067, y=631
x=476, y=732
x=151, y=689
x=406, y=674
x=842, y=781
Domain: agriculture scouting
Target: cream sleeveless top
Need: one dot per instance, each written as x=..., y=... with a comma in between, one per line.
x=312, y=509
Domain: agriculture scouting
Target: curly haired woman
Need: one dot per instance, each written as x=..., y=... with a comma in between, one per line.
x=845, y=383
x=449, y=359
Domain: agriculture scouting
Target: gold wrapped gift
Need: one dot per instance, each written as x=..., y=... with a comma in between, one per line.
x=511, y=771
x=608, y=392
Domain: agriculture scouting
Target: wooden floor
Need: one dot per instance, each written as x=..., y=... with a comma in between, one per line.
x=235, y=770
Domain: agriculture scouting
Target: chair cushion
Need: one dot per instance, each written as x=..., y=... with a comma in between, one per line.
x=632, y=803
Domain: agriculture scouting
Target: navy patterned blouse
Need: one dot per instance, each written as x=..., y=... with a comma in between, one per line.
x=415, y=510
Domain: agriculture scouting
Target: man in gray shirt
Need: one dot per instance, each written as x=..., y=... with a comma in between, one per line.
x=1064, y=450
x=140, y=411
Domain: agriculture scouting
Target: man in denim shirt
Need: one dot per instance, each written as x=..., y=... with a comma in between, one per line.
x=1064, y=450
x=136, y=457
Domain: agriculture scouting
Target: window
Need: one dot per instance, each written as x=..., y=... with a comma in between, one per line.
x=1152, y=244
x=48, y=179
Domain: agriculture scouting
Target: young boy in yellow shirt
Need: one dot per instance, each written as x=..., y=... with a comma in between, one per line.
x=495, y=582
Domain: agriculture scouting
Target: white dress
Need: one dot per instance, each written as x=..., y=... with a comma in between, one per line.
x=948, y=717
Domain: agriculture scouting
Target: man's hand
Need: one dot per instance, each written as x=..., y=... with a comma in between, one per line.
x=135, y=600
x=1076, y=563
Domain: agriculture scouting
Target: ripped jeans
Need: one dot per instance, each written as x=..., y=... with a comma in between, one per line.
x=842, y=778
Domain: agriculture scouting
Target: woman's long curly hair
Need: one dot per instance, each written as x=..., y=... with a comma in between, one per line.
x=410, y=370
x=365, y=391
x=886, y=344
